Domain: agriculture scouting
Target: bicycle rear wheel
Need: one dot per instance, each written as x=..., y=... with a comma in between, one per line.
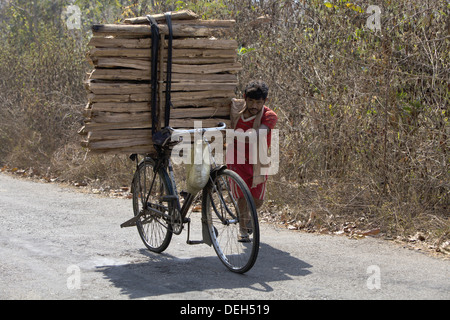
x=232, y=221
x=148, y=189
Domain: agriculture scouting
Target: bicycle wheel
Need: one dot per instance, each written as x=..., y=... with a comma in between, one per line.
x=154, y=228
x=232, y=221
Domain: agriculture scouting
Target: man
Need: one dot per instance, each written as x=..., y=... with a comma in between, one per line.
x=247, y=114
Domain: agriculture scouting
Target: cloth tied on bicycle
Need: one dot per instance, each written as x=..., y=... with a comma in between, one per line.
x=199, y=168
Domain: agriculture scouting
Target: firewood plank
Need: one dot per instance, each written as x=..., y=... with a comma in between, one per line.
x=175, y=15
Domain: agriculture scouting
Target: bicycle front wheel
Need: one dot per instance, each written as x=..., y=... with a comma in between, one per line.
x=232, y=220
x=148, y=189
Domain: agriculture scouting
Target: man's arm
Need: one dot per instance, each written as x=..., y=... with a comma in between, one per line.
x=263, y=129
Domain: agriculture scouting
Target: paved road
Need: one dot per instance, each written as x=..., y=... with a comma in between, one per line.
x=57, y=243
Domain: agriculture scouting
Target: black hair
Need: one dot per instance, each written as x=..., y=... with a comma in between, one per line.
x=257, y=90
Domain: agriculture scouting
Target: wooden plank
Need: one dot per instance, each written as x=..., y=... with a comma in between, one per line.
x=207, y=69
x=120, y=74
x=120, y=52
x=187, y=22
x=206, y=123
x=120, y=117
x=144, y=75
x=230, y=66
x=145, y=43
x=203, y=102
x=124, y=36
x=139, y=97
x=202, y=43
x=130, y=88
x=138, y=64
x=118, y=143
x=187, y=97
x=121, y=107
x=175, y=15
x=119, y=134
x=212, y=78
x=180, y=113
x=202, y=60
x=207, y=112
x=202, y=86
x=213, y=23
x=178, y=98
x=118, y=87
x=92, y=126
x=142, y=63
x=145, y=149
x=175, y=122
x=176, y=53
x=199, y=29
x=117, y=29
x=110, y=42
x=87, y=112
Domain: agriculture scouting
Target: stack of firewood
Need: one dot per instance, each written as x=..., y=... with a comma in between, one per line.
x=204, y=78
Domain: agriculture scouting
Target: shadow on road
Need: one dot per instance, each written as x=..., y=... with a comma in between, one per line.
x=164, y=274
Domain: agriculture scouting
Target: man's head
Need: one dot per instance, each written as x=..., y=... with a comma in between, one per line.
x=255, y=96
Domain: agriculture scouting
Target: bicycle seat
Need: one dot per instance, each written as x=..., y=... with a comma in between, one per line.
x=163, y=137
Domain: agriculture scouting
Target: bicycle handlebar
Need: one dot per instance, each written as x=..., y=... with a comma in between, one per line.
x=221, y=126
x=165, y=136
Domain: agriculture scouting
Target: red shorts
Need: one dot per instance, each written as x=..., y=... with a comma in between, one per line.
x=245, y=171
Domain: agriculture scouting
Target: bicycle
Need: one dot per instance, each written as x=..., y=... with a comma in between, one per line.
x=229, y=217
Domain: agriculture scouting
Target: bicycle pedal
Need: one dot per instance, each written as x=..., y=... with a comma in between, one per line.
x=169, y=198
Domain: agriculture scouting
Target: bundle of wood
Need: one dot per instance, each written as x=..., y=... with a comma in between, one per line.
x=204, y=78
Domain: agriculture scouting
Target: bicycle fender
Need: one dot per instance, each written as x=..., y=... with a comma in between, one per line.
x=216, y=171
x=205, y=233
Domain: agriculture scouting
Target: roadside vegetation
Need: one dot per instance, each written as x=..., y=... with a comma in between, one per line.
x=363, y=112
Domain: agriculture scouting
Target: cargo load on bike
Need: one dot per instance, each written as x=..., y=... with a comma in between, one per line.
x=154, y=71
x=154, y=77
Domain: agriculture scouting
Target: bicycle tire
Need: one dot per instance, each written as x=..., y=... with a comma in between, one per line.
x=155, y=231
x=226, y=222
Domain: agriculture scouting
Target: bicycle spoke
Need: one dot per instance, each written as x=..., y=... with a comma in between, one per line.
x=148, y=189
x=234, y=233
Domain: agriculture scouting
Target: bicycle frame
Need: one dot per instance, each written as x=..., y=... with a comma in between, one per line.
x=163, y=162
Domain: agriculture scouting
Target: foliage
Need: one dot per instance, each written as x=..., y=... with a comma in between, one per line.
x=364, y=114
